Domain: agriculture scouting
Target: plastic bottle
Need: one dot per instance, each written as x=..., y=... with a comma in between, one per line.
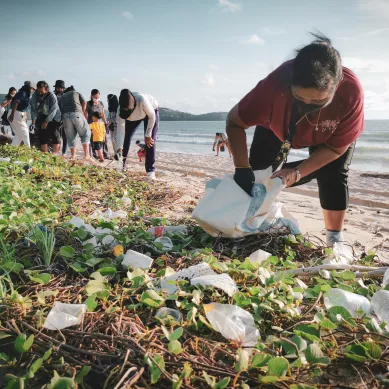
x=380, y=305
x=351, y=301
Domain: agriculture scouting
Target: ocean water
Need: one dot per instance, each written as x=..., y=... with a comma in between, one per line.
x=371, y=153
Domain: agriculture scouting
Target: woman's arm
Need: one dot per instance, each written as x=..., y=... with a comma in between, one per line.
x=103, y=115
x=5, y=103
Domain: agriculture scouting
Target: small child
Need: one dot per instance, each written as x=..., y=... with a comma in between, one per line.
x=141, y=150
x=98, y=131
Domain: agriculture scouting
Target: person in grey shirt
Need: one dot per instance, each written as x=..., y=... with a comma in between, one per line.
x=46, y=117
x=73, y=109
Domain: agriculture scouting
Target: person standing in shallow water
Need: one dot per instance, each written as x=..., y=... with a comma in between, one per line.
x=113, y=105
x=135, y=108
x=311, y=101
x=59, y=88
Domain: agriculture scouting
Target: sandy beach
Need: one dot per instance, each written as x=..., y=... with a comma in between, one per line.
x=366, y=225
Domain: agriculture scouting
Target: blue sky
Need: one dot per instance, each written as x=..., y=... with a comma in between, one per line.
x=192, y=55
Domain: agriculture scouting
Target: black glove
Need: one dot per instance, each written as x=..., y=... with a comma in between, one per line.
x=245, y=178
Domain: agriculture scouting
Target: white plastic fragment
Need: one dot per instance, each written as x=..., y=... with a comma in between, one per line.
x=163, y=314
x=166, y=243
x=341, y=254
x=64, y=315
x=202, y=269
x=162, y=230
x=220, y=281
x=108, y=239
x=92, y=241
x=90, y=228
x=385, y=280
x=351, y=301
x=103, y=231
x=380, y=304
x=7, y=159
x=233, y=323
x=126, y=200
x=76, y=222
x=136, y=260
x=76, y=186
x=18, y=163
x=259, y=256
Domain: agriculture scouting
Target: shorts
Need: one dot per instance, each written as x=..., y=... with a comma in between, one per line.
x=141, y=153
x=51, y=132
x=98, y=145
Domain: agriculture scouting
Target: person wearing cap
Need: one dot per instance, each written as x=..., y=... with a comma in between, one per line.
x=135, y=108
x=310, y=101
x=18, y=115
x=46, y=117
x=59, y=88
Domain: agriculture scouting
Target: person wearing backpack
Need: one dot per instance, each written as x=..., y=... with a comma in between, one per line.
x=46, y=117
x=18, y=114
x=311, y=101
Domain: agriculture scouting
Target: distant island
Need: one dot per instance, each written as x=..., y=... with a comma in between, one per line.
x=167, y=114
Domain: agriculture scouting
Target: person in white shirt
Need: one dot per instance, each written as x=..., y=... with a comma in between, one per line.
x=220, y=142
x=135, y=108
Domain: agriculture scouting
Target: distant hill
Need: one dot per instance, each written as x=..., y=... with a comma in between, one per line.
x=167, y=114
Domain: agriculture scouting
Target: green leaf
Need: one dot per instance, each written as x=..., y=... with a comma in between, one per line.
x=43, y=278
x=308, y=331
x=81, y=374
x=260, y=360
x=374, y=350
x=174, y=347
x=154, y=370
x=4, y=357
x=242, y=363
x=268, y=379
x=78, y=267
x=327, y=324
x=91, y=303
x=22, y=343
x=4, y=335
x=15, y=383
x=67, y=251
x=301, y=386
x=82, y=233
x=357, y=353
x=337, y=310
x=107, y=271
x=223, y=383
x=152, y=298
x=348, y=275
x=47, y=354
x=35, y=366
x=289, y=349
x=314, y=355
x=176, y=334
x=278, y=367
x=41, y=296
x=58, y=382
x=209, y=379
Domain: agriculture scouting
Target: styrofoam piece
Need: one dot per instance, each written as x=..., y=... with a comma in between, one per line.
x=166, y=243
x=76, y=222
x=164, y=313
x=136, y=260
x=159, y=231
x=108, y=239
x=351, y=301
x=259, y=256
x=64, y=315
x=202, y=269
x=220, y=281
x=233, y=322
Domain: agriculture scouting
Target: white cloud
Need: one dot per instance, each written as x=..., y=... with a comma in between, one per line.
x=366, y=65
x=125, y=80
x=127, y=15
x=378, y=7
x=376, y=101
x=11, y=76
x=229, y=6
x=254, y=40
x=366, y=34
x=234, y=100
x=208, y=80
x=272, y=31
x=213, y=67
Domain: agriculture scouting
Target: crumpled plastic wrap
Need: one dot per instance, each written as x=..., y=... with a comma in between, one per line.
x=64, y=315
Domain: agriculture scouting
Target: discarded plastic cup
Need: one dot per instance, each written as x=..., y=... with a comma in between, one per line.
x=351, y=301
x=166, y=243
x=380, y=305
x=164, y=314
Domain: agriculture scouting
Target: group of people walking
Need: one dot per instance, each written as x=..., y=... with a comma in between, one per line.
x=64, y=114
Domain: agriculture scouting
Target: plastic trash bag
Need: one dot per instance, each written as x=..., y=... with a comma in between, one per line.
x=228, y=210
x=202, y=269
x=136, y=260
x=259, y=256
x=220, y=281
x=166, y=243
x=108, y=214
x=64, y=315
x=351, y=301
x=164, y=313
x=76, y=222
x=380, y=304
x=233, y=323
x=159, y=231
x=341, y=254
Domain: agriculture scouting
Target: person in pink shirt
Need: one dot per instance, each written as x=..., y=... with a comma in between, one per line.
x=310, y=101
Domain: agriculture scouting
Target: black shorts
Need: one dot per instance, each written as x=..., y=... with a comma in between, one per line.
x=98, y=145
x=50, y=133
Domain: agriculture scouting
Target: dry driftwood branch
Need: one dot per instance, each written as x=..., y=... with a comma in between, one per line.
x=308, y=271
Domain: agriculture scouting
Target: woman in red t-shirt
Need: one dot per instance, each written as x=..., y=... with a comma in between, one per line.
x=311, y=101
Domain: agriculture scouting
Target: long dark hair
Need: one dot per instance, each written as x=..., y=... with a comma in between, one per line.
x=124, y=98
x=113, y=103
x=10, y=90
x=93, y=92
x=317, y=65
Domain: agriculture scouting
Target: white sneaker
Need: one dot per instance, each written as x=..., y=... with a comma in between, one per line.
x=151, y=176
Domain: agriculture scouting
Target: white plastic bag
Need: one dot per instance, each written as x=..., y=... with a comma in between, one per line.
x=202, y=269
x=259, y=256
x=136, y=260
x=76, y=222
x=228, y=210
x=233, y=323
x=64, y=315
x=341, y=254
x=354, y=303
x=385, y=280
x=220, y=281
x=166, y=243
x=162, y=230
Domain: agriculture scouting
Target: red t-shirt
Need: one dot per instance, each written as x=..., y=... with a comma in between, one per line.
x=340, y=123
